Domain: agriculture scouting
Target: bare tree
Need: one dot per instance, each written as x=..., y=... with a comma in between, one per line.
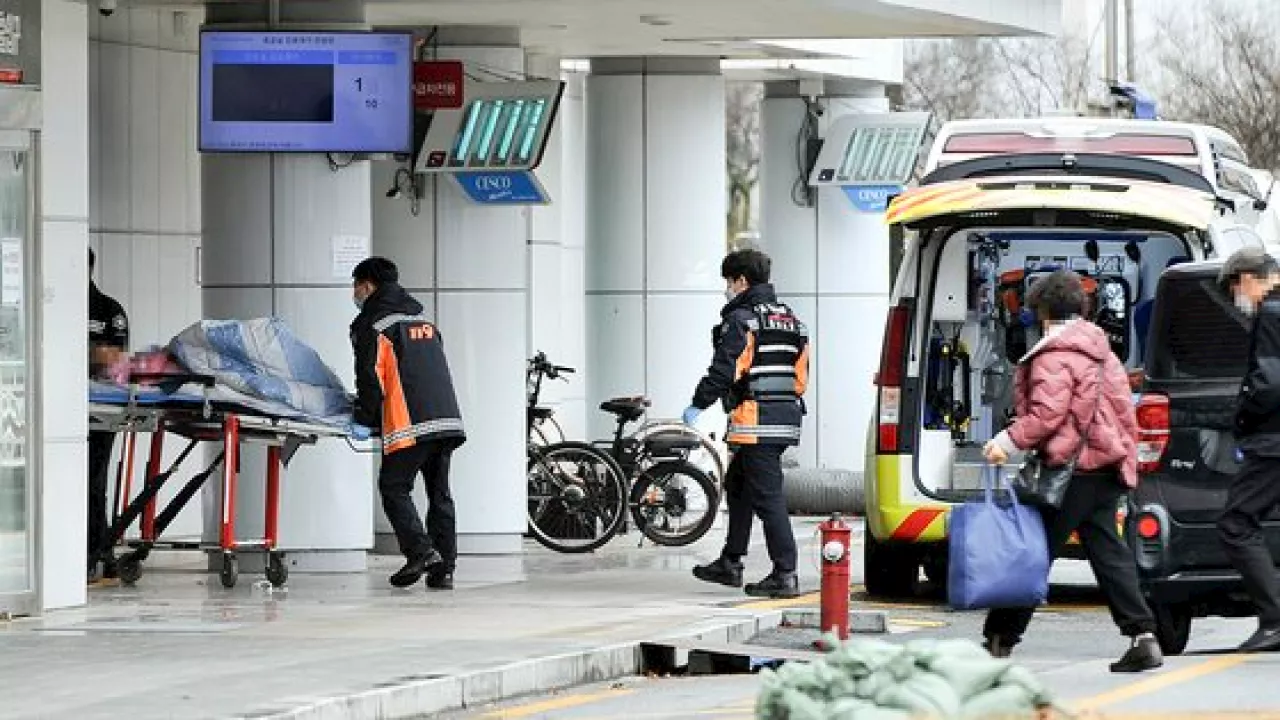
x=742, y=153
x=1221, y=66
x=965, y=78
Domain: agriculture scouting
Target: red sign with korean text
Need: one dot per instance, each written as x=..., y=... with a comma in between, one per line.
x=437, y=84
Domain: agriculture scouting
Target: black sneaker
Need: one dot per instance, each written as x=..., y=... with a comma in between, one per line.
x=722, y=571
x=415, y=568
x=1144, y=654
x=1266, y=639
x=776, y=585
x=440, y=580
x=110, y=569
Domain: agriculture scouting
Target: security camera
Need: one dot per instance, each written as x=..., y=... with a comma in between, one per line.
x=107, y=8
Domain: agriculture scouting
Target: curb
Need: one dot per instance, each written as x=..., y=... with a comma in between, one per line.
x=419, y=698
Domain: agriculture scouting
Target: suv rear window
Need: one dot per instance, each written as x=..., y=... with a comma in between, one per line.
x=1196, y=332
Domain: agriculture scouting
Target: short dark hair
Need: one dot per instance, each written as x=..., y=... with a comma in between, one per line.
x=92, y=259
x=1246, y=261
x=1057, y=296
x=753, y=265
x=377, y=270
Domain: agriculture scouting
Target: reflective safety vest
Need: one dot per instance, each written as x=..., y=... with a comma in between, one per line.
x=770, y=378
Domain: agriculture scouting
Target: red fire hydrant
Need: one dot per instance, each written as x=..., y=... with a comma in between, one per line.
x=836, y=538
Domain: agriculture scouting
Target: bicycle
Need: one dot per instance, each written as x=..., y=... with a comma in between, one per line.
x=581, y=508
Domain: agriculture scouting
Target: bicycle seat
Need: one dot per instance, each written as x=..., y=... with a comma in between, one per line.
x=629, y=408
x=541, y=413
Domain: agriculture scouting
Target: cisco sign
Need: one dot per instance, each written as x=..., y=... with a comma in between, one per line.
x=871, y=198
x=502, y=187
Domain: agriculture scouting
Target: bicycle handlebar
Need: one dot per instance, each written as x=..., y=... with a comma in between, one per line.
x=539, y=364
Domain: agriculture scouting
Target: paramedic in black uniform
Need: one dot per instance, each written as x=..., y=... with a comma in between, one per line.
x=108, y=342
x=404, y=391
x=759, y=372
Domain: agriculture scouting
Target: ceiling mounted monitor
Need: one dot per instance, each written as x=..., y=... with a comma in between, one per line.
x=306, y=92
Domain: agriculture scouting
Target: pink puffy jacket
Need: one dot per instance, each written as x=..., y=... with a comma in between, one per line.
x=1058, y=380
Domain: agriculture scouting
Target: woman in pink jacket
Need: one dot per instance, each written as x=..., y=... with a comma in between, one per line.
x=1072, y=396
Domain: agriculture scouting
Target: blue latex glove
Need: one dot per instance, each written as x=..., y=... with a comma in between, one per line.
x=691, y=414
x=359, y=432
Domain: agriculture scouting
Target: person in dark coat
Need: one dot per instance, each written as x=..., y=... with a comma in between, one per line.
x=1251, y=278
x=759, y=372
x=108, y=342
x=404, y=392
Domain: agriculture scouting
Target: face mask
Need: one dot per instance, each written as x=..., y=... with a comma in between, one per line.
x=729, y=294
x=1245, y=305
x=358, y=302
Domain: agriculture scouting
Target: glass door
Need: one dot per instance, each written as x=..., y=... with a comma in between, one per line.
x=17, y=486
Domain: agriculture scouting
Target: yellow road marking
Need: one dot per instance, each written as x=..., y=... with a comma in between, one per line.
x=808, y=599
x=1161, y=681
x=560, y=703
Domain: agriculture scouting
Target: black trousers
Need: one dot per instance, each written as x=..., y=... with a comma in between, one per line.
x=395, y=483
x=1253, y=494
x=99, y=536
x=1089, y=508
x=753, y=486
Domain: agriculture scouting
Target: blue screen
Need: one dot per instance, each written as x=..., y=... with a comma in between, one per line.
x=306, y=92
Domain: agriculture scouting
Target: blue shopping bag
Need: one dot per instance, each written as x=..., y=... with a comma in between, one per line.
x=999, y=552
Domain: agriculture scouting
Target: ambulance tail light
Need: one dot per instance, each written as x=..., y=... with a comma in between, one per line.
x=893, y=360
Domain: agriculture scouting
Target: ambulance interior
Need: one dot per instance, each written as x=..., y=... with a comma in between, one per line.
x=978, y=327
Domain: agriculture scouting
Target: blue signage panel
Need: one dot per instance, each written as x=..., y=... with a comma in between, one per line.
x=503, y=187
x=871, y=198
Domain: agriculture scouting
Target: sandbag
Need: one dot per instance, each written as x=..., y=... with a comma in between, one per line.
x=876, y=680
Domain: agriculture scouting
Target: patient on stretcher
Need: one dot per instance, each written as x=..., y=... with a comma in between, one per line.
x=259, y=364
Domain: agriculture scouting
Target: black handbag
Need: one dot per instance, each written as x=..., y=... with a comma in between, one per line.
x=1038, y=482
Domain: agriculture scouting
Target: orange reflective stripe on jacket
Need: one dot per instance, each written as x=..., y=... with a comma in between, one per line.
x=395, y=410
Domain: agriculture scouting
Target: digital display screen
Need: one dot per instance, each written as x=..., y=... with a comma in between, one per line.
x=880, y=155
x=306, y=92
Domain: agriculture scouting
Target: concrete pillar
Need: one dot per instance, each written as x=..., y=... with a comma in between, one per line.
x=468, y=265
x=831, y=263
x=271, y=222
x=63, y=224
x=557, y=262
x=656, y=204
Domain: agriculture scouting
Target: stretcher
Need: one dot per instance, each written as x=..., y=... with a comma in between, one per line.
x=173, y=408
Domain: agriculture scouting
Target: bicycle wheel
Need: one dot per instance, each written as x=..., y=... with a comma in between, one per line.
x=674, y=503
x=577, y=497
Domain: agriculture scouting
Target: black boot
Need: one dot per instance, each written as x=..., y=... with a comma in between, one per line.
x=776, y=585
x=415, y=568
x=440, y=579
x=1144, y=654
x=722, y=571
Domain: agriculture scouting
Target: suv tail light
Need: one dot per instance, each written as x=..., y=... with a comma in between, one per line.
x=1153, y=431
x=889, y=379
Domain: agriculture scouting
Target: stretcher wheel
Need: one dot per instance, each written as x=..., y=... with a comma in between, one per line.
x=129, y=569
x=230, y=570
x=277, y=570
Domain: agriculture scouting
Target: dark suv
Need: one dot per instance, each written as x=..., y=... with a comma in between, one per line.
x=1196, y=357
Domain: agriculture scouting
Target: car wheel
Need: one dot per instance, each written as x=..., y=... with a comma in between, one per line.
x=1173, y=628
x=889, y=571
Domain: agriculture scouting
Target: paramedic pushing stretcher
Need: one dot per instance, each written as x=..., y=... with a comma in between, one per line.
x=108, y=341
x=759, y=373
x=404, y=389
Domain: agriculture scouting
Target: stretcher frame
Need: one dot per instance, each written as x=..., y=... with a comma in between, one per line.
x=207, y=421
